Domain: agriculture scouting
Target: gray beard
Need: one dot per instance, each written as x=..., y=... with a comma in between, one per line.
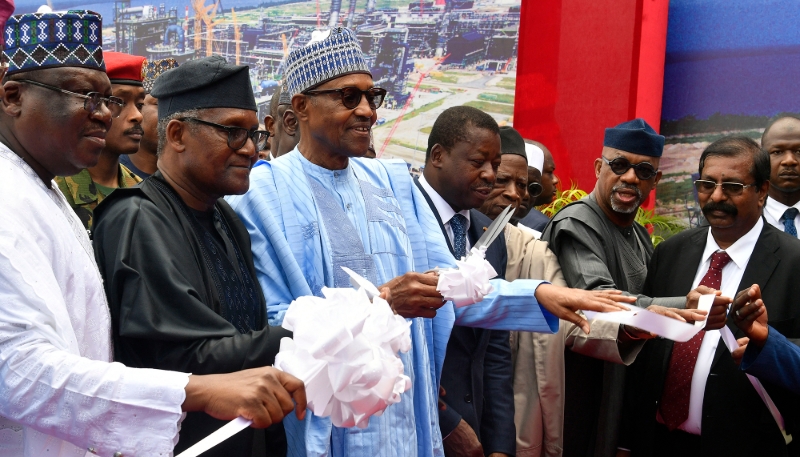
x=624, y=209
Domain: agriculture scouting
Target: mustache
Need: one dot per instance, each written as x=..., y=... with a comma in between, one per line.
x=137, y=129
x=725, y=207
x=485, y=185
x=96, y=127
x=629, y=187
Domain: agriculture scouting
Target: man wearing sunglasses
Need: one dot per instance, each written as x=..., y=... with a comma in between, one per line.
x=62, y=395
x=177, y=264
x=322, y=207
x=85, y=190
x=691, y=399
x=599, y=245
x=527, y=217
x=538, y=357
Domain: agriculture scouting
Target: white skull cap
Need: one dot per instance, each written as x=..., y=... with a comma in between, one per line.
x=535, y=156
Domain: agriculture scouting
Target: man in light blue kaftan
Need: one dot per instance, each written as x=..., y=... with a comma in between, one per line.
x=316, y=209
x=294, y=237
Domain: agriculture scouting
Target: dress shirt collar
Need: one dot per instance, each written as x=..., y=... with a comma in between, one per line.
x=776, y=208
x=740, y=250
x=446, y=212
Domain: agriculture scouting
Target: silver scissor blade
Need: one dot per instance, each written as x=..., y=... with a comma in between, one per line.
x=505, y=219
x=495, y=228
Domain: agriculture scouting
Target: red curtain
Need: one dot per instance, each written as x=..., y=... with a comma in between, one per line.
x=584, y=66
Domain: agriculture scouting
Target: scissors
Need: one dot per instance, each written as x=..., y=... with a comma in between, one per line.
x=494, y=230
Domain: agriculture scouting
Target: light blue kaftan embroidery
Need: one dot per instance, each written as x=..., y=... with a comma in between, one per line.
x=399, y=231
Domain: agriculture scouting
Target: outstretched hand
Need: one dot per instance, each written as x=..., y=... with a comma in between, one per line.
x=750, y=314
x=264, y=395
x=683, y=315
x=413, y=294
x=563, y=302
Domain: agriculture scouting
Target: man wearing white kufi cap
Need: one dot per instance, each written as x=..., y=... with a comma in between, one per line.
x=527, y=216
x=321, y=207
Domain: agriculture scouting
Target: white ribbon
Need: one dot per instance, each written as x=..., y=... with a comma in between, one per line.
x=468, y=283
x=344, y=348
x=223, y=433
x=730, y=342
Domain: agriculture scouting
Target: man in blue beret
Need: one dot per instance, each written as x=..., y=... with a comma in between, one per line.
x=600, y=246
x=321, y=207
x=61, y=394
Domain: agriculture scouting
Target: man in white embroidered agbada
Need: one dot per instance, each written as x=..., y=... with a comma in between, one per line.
x=60, y=393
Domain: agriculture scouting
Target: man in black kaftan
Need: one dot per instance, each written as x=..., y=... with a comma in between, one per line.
x=176, y=259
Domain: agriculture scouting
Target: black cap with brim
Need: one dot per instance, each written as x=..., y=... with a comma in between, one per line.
x=210, y=82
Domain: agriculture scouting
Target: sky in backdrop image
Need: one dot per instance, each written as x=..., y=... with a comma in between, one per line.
x=730, y=66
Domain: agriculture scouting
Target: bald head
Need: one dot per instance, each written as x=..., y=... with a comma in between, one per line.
x=781, y=140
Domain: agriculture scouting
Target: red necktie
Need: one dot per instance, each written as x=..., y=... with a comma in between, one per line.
x=678, y=385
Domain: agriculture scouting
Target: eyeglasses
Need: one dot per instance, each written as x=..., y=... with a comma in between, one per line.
x=351, y=96
x=728, y=188
x=535, y=189
x=621, y=165
x=237, y=136
x=91, y=101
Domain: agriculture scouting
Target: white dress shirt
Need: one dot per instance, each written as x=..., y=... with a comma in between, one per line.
x=446, y=212
x=773, y=212
x=61, y=395
x=732, y=273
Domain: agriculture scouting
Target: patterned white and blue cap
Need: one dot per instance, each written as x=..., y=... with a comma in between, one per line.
x=336, y=55
x=46, y=40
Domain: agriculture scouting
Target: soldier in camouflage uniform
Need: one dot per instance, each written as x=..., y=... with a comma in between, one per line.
x=88, y=188
x=84, y=195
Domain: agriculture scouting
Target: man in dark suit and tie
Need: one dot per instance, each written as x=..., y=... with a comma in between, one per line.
x=463, y=154
x=690, y=399
x=781, y=140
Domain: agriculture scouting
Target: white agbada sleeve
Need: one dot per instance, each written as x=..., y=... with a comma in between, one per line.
x=59, y=392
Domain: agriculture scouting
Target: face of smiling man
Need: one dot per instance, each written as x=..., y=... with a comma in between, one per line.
x=621, y=195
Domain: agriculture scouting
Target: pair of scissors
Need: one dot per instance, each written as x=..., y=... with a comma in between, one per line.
x=494, y=230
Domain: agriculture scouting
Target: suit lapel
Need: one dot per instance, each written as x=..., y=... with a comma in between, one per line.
x=762, y=264
x=691, y=255
x=435, y=213
x=763, y=260
x=683, y=276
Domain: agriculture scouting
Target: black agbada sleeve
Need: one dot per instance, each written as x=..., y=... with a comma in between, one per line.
x=163, y=308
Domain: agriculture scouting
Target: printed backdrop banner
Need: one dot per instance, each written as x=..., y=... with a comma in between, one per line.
x=429, y=55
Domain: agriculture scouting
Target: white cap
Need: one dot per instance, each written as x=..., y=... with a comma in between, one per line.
x=535, y=156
